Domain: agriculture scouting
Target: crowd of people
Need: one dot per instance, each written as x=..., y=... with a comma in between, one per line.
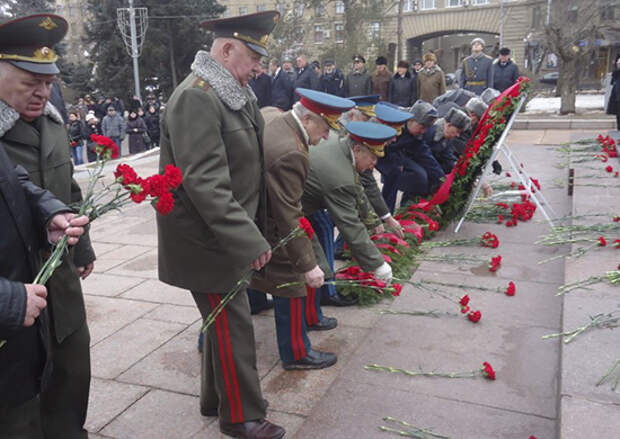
x=250, y=176
x=139, y=122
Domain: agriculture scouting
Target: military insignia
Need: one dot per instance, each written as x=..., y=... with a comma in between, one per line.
x=48, y=24
x=44, y=54
x=264, y=39
x=276, y=18
x=201, y=83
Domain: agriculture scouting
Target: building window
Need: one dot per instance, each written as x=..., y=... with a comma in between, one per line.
x=427, y=4
x=571, y=10
x=318, y=33
x=480, y=2
x=299, y=9
x=226, y=13
x=319, y=11
x=454, y=3
x=260, y=8
x=339, y=7
x=408, y=6
x=339, y=32
x=535, y=17
x=299, y=34
x=608, y=9
x=374, y=30
x=243, y=10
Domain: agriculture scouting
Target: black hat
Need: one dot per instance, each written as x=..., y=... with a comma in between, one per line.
x=252, y=29
x=316, y=64
x=359, y=58
x=27, y=42
x=504, y=51
x=328, y=62
x=381, y=61
x=402, y=63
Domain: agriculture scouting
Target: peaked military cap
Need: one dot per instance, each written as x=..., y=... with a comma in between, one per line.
x=391, y=116
x=458, y=118
x=328, y=62
x=359, y=58
x=374, y=136
x=252, y=29
x=489, y=95
x=423, y=113
x=476, y=106
x=27, y=42
x=366, y=104
x=329, y=107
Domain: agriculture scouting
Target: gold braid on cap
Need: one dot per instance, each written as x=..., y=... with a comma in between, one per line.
x=248, y=39
x=41, y=55
x=332, y=120
x=368, y=110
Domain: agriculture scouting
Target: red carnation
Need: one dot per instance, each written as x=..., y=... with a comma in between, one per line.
x=495, y=263
x=508, y=174
x=512, y=289
x=386, y=258
x=616, y=174
x=609, y=168
x=488, y=371
x=174, y=176
x=158, y=185
x=138, y=197
x=464, y=300
x=433, y=225
x=397, y=289
x=126, y=175
x=616, y=219
x=306, y=227
x=617, y=243
x=489, y=240
x=165, y=203
x=601, y=241
x=500, y=219
x=474, y=316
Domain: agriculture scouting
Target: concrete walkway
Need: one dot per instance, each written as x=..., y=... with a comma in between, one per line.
x=146, y=367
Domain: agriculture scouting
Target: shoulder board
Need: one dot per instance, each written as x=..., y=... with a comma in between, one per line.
x=201, y=83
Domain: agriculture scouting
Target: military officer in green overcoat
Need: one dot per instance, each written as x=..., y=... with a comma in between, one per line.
x=333, y=184
x=287, y=139
x=33, y=134
x=212, y=130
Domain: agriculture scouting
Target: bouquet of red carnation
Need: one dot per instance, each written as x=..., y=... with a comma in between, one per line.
x=127, y=188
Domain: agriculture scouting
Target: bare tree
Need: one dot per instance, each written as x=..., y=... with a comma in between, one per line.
x=570, y=33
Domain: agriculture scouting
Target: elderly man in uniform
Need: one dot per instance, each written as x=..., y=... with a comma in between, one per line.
x=439, y=137
x=409, y=165
x=212, y=130
x=477, y=69
x=358, y=82
x=333, y=184
x=287, y=139
x=34, y=136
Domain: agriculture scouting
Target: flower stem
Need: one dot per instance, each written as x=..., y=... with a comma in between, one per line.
x=431, y=313
x=417, y=430
x=613, y=374
x=599, y=321
x=411, y=373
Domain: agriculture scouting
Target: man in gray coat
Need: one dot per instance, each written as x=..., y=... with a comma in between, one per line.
x=477, y=69
x=358, y=82
x=113, y=126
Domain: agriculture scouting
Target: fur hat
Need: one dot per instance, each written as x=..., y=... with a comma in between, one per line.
x=489, y=95
x=430, y=56
x=478, y=40
x=423, y=113
x=457, y=118
x=381, y=60
x=404, y=64
x=476, y=106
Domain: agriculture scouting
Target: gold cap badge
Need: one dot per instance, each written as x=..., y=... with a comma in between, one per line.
x=48, y=24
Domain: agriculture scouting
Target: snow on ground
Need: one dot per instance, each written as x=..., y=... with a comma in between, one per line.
x=585, y=102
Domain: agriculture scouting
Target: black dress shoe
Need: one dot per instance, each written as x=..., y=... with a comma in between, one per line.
x=263, y=307
x=313, y=360
x=338, y=300
x=261, y=429
x=325, y=324
x=211, y=412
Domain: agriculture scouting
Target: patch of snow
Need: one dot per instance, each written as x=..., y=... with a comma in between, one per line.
x=587, y=102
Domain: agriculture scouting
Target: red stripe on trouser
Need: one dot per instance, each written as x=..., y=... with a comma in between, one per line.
x=231, y=364
x=315, y=318
x=293, y=313
x=302, y=347
x=213, y=302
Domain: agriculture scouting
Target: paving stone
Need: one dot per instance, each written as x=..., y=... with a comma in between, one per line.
x=526, y=367
x=118, y=352
x=102, y=248
x=296, y=392
x=159, y=292
x=108, y=399
x=525, y=136
x=351, y=409
x=175, y=313
x=126, y=252
x=144, y=266
x=108, y=285
x=103, y=265
x=159, y=414
x=595, y=262
x=587, y=419
x=107, y=315
x=359, y=317
x=175, y=366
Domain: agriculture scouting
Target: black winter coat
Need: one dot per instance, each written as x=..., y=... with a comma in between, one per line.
x=24, y=211
x=152, y=126
x=613, y=106
x=333, y=83
x=136, y=128
x=282, y=91
x=403, y=90
x=306, y=78
x=261, y=85
x=504, y=75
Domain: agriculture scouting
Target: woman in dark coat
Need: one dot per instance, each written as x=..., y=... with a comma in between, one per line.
x=152, y=125
x=403, y=87
x=613, y=106
x=136, y=127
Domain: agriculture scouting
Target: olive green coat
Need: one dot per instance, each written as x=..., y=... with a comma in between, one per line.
x=212, y=130
x=286, y=170
x=42, y=147
x=334, y=184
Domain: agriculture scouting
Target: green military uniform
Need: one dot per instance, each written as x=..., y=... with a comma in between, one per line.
x=334, y=184
x=42, y=147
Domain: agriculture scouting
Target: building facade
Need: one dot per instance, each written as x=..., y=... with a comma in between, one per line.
x=75, y=12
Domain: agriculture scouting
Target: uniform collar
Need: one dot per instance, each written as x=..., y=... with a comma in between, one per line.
x=9, y=116
x=225, y=85
x=301, y=128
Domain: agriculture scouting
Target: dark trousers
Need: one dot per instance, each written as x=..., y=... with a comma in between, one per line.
x=229, y=379
x=618, y=120
x=258, y=300
x=64, y=401
x=324, y=228
x=22, y=422
x=118, y=142
x=291, y=332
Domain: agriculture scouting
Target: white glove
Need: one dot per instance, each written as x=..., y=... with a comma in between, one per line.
x=384, y=272
x=315, y=277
